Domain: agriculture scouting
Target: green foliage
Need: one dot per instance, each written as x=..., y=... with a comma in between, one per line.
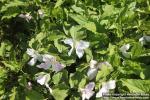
x=44, y=25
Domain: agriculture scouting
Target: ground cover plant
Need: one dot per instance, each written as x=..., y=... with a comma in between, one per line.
x=74, y=49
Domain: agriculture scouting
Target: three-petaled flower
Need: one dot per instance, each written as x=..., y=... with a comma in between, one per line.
x=143, y=40
x=124, y=50
x=48, y=61
x=94, y=67
x=88, y=92
x=106, y=86
x=78, y=45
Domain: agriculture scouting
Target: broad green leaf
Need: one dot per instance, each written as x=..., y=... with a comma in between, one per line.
x=60, y=92
x=59, y=3
x=137, y=86
x=34, y=95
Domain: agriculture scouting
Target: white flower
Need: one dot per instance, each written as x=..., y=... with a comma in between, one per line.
x=143, y=40
x=88, y=92
x=40, y=12
x=29, y=85
x=43, y=80
x=27, y=16
x=48, y=61
x=92, y=72
x=106, y=87
x=124, y=49
x=94, y=67
x=56, y=66
x=78, y=45
x=35, y=56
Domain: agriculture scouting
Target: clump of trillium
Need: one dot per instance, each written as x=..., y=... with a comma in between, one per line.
x=88, y=92
x=106, y=86
x=43, y=79
x=79, y=46
x=144, y=40
x=124, y=50
x=94, y=67
x=46, y=59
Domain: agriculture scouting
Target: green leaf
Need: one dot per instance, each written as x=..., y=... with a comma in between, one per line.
x=59, y=3
x=34, y=95
x=60, y=92
x=137, y=86
x=12, y=65
x=2, y=49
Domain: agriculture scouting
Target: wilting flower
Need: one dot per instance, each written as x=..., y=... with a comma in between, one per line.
x=78, y=45
x=143, y=40
x=48, y=61
x=124, y=49
x=40, y=12
x=35, y=56
x=29, y=85
x=88, y=92
x=106, y=87
x=27, y=16
x=94, y=67
x=43, y=79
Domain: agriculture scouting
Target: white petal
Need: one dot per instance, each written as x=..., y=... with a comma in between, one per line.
x=44, y=65
x=93, y=63
x=48, y=88
x=88, y=94
x=92, y=72
x=70, y=51
x=110, y=84
x=147, y=38
x=101, y=91
x=32, y=62
x=126, y=54
x=142, y=41
x=58, y=67
x=124, y=48
x=82, y=45
x=69, y=42
x=90, y=86
x=79, y=52
x=41, y=80
x=48, y=58
x=31, y=52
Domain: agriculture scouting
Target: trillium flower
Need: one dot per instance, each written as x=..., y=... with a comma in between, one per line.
x=43, y=80
x=48, y=61
x=35, y=56
x=143, y=40
x=88, y=92
x=124, y=49
x=94, y=67
x=106, y=87
x=27, y=16
x=78, y=45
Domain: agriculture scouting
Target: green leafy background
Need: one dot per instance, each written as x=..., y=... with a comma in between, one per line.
x=106, y=24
